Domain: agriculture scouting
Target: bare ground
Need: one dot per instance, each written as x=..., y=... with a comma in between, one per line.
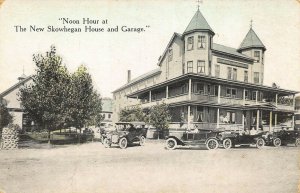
x=92, y=168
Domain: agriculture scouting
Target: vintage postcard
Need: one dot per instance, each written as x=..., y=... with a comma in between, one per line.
x=154, y=96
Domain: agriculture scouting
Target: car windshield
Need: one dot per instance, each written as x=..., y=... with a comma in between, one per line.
x=123, y=127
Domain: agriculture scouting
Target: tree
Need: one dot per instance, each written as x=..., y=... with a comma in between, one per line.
x=58, y=99
x=133, y=114
x=160, y=117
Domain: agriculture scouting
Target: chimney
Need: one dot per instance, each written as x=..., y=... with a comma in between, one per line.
x=128, y=76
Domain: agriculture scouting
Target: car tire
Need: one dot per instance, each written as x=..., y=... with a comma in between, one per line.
x=260, y=143
x=277, y=142
x=171, y=144
x=142, y=141
x=123, y=143
x=212, y=144
x=297, y=142
x=106, y=143
x=227, y=143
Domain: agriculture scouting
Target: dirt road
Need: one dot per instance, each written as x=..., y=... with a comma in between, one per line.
x=92, y=168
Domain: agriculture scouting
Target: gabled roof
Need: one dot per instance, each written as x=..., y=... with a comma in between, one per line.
x=169, y=44
x=251, y=41
x=198, y=23
x=142, y=77
x=17, y=85
x=230, y=51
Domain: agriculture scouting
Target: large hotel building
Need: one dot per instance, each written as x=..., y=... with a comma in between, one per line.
x=209, y=85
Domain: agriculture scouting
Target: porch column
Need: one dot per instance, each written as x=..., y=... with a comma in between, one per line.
x=256, y=97
x=276, y=98
x=167, y=92
x=218, y=118
x=219, y=93
x=270, y=125
x=189, y=116
x=294, y=102
x=244, y=96
x=257, y=119
x=275, y=119
x=190, y=89
x=243, y=120
x=150, y=96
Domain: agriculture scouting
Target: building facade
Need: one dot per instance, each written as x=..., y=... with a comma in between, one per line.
x=208, y=85
x=10, y=98
x=107, y=108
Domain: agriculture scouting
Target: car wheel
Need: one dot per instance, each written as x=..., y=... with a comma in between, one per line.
x=106, y=143
x=297, y=142
x=171, y=144
x=277, y=142
x=212, y=144
x=142, y=140
x=227, y=144
x=123, y=143
x=260, y=143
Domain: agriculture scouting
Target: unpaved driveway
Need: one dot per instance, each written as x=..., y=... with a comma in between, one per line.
x=92, y=168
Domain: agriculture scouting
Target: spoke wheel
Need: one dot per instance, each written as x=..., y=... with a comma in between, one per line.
x=142, y=140
x=212, y=144
x=227, y=143
x=171, y=144
x=277, y=142
x=123, y=143
x=260, y=143
x=106, y=143
x=297, y=142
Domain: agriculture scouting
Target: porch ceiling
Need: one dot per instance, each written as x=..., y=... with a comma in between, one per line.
x=212, y=80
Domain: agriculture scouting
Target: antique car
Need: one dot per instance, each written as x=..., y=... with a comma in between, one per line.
x=233, y=138
x=125, y=133
x=284, y=137
x=209, y=138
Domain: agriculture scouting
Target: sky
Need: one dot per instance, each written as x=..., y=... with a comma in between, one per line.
x=108, y=55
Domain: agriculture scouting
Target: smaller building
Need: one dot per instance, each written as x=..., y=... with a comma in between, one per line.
x=11, y=100
x=107, y=108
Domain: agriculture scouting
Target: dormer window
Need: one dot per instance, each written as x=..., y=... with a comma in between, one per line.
x=257, y=55
x=190, y=43
x=201, y=42
x=170, y=54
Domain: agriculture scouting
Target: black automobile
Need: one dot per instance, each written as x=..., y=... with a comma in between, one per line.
x=209, y=138
x=284, y=137
x=231, y=139
x=126, y=133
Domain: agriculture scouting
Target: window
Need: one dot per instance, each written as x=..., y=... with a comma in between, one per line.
x=234, y=76
x=246, y=94
x=209, y=68
x=229, y=73
x=231, y=92
x=256, y=77
x=201, y=67
x=170, y=54
x=217, y=70
x=184, y=88
x=254, y=95
x=190, y=43
x=190, y=66
x=201, y=41
x=183, y=68
x=199, y=88
x=245, y=76
x=262, y=78
x=109, y=116
x=216, y=90
x=209, y=91
x=257, y=55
